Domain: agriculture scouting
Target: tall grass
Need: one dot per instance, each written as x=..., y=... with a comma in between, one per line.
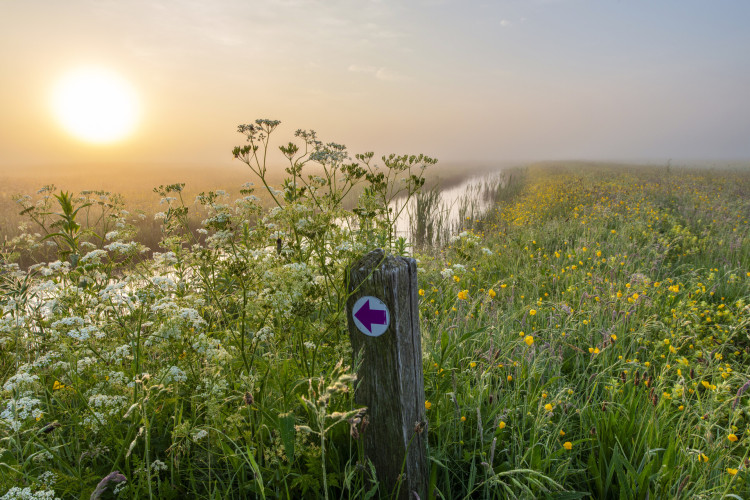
x=599, y=340
x=435, y=216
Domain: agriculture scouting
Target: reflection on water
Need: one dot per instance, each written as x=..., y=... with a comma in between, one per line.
x=432, y=216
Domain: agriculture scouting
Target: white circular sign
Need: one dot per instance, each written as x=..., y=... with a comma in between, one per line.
x=371, y=316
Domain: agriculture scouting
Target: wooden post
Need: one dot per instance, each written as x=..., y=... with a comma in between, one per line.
x=383, y=317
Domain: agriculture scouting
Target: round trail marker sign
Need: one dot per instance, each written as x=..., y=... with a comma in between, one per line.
x=371, y=316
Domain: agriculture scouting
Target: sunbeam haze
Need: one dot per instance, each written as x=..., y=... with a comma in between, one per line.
x=481, y=81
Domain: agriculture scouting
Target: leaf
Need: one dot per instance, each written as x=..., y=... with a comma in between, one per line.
x=256, y=472
x=467, y=335
x=569, y=495
x=286, y=429
x=444, y=341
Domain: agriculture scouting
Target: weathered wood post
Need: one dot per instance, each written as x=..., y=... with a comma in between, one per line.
x=383, y=317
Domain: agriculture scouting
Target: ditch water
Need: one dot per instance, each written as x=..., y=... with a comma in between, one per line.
x=434, y=215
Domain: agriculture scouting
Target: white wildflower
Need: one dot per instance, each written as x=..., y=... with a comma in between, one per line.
x=265, y=333
x=19, y=380
x=42, y=457
x=78, y=334
x=18, y=493
x=192, y=316
x=119, y=247
x=175, y=375
x=85, y=362
x=93, y=257
x=47, y=478
x=69, y=321
x=164, y=283
x=158, y=465
x=120, y=353
x=198, y=435
x=19, y=410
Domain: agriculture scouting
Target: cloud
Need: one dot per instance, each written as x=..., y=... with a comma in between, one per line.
x=504, y=23
x=384, y=74
x=356, y=68
x=390, y=76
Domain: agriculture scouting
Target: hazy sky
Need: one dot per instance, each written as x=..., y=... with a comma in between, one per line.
x=459, y=80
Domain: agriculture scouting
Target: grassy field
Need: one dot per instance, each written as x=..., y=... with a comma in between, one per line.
x=611, y=349
x=590, y=337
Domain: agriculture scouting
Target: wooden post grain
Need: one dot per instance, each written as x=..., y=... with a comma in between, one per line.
x=390, y=381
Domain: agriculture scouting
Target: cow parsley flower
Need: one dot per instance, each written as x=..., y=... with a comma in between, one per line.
x=19, y=380
x=18, y=493
x=198, y=435
x=175, y=375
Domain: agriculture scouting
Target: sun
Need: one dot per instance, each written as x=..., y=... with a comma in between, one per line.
x=95, y=105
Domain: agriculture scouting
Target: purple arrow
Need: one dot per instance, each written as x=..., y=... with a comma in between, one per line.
x=369, y=317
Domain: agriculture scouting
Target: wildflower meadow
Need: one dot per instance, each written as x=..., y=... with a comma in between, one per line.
x=587, y=337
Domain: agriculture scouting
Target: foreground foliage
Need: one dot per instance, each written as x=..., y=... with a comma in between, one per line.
x=590, y=337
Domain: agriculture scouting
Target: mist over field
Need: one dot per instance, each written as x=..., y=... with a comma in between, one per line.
x=537, y=286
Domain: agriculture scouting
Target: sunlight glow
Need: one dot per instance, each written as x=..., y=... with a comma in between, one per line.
x=95, y=105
